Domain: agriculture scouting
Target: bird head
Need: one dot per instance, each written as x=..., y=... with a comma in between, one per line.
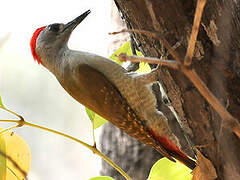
x=51, y=38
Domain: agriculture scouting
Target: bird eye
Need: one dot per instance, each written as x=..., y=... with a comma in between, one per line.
x=54, y=27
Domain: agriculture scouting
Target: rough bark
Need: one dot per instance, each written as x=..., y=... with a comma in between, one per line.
x=216, y=60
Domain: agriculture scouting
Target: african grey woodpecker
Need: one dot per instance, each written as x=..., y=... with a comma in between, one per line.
x=123, y=98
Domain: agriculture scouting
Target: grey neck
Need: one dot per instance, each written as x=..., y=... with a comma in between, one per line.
x=53, y=58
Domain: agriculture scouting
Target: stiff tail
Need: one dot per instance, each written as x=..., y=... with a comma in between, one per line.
x=183, y=159
x=175, y=151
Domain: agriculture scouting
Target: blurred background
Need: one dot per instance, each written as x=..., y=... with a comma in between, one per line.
x=34, y=93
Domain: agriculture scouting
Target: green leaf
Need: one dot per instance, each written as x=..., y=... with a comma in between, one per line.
x=90, y=114
x=1, y=103
x=144, y=67
x=95, y=118
x=99, y=121
x=125, y=48
x=102, y=178
x=165, y=169
x=14, y=150
x=3, y=163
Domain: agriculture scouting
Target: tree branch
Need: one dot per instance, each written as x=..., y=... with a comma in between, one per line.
x=169, y=63
x=195, y=29
x=155, y=35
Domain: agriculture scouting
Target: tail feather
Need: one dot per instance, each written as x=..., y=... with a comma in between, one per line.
x=174, y=151
x=184, y=159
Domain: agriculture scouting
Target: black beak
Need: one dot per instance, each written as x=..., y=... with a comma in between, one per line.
x=73, y=24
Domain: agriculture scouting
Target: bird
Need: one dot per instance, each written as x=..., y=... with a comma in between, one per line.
x=124, y=99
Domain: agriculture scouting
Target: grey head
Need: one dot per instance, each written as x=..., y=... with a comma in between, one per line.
x=49, y=40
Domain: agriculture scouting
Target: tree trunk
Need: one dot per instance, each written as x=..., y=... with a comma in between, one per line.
x=216, y=60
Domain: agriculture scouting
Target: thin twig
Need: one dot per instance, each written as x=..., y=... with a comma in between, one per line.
x=174, y=47
x=200, y=85
x=235, y=127
x=169, y=63
x=195, y=29
x=7, y=129
x=156, y=24
x=93, y=148
x=22, y=122
x=155, y=35
x=93, y=134
x=228, y=119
